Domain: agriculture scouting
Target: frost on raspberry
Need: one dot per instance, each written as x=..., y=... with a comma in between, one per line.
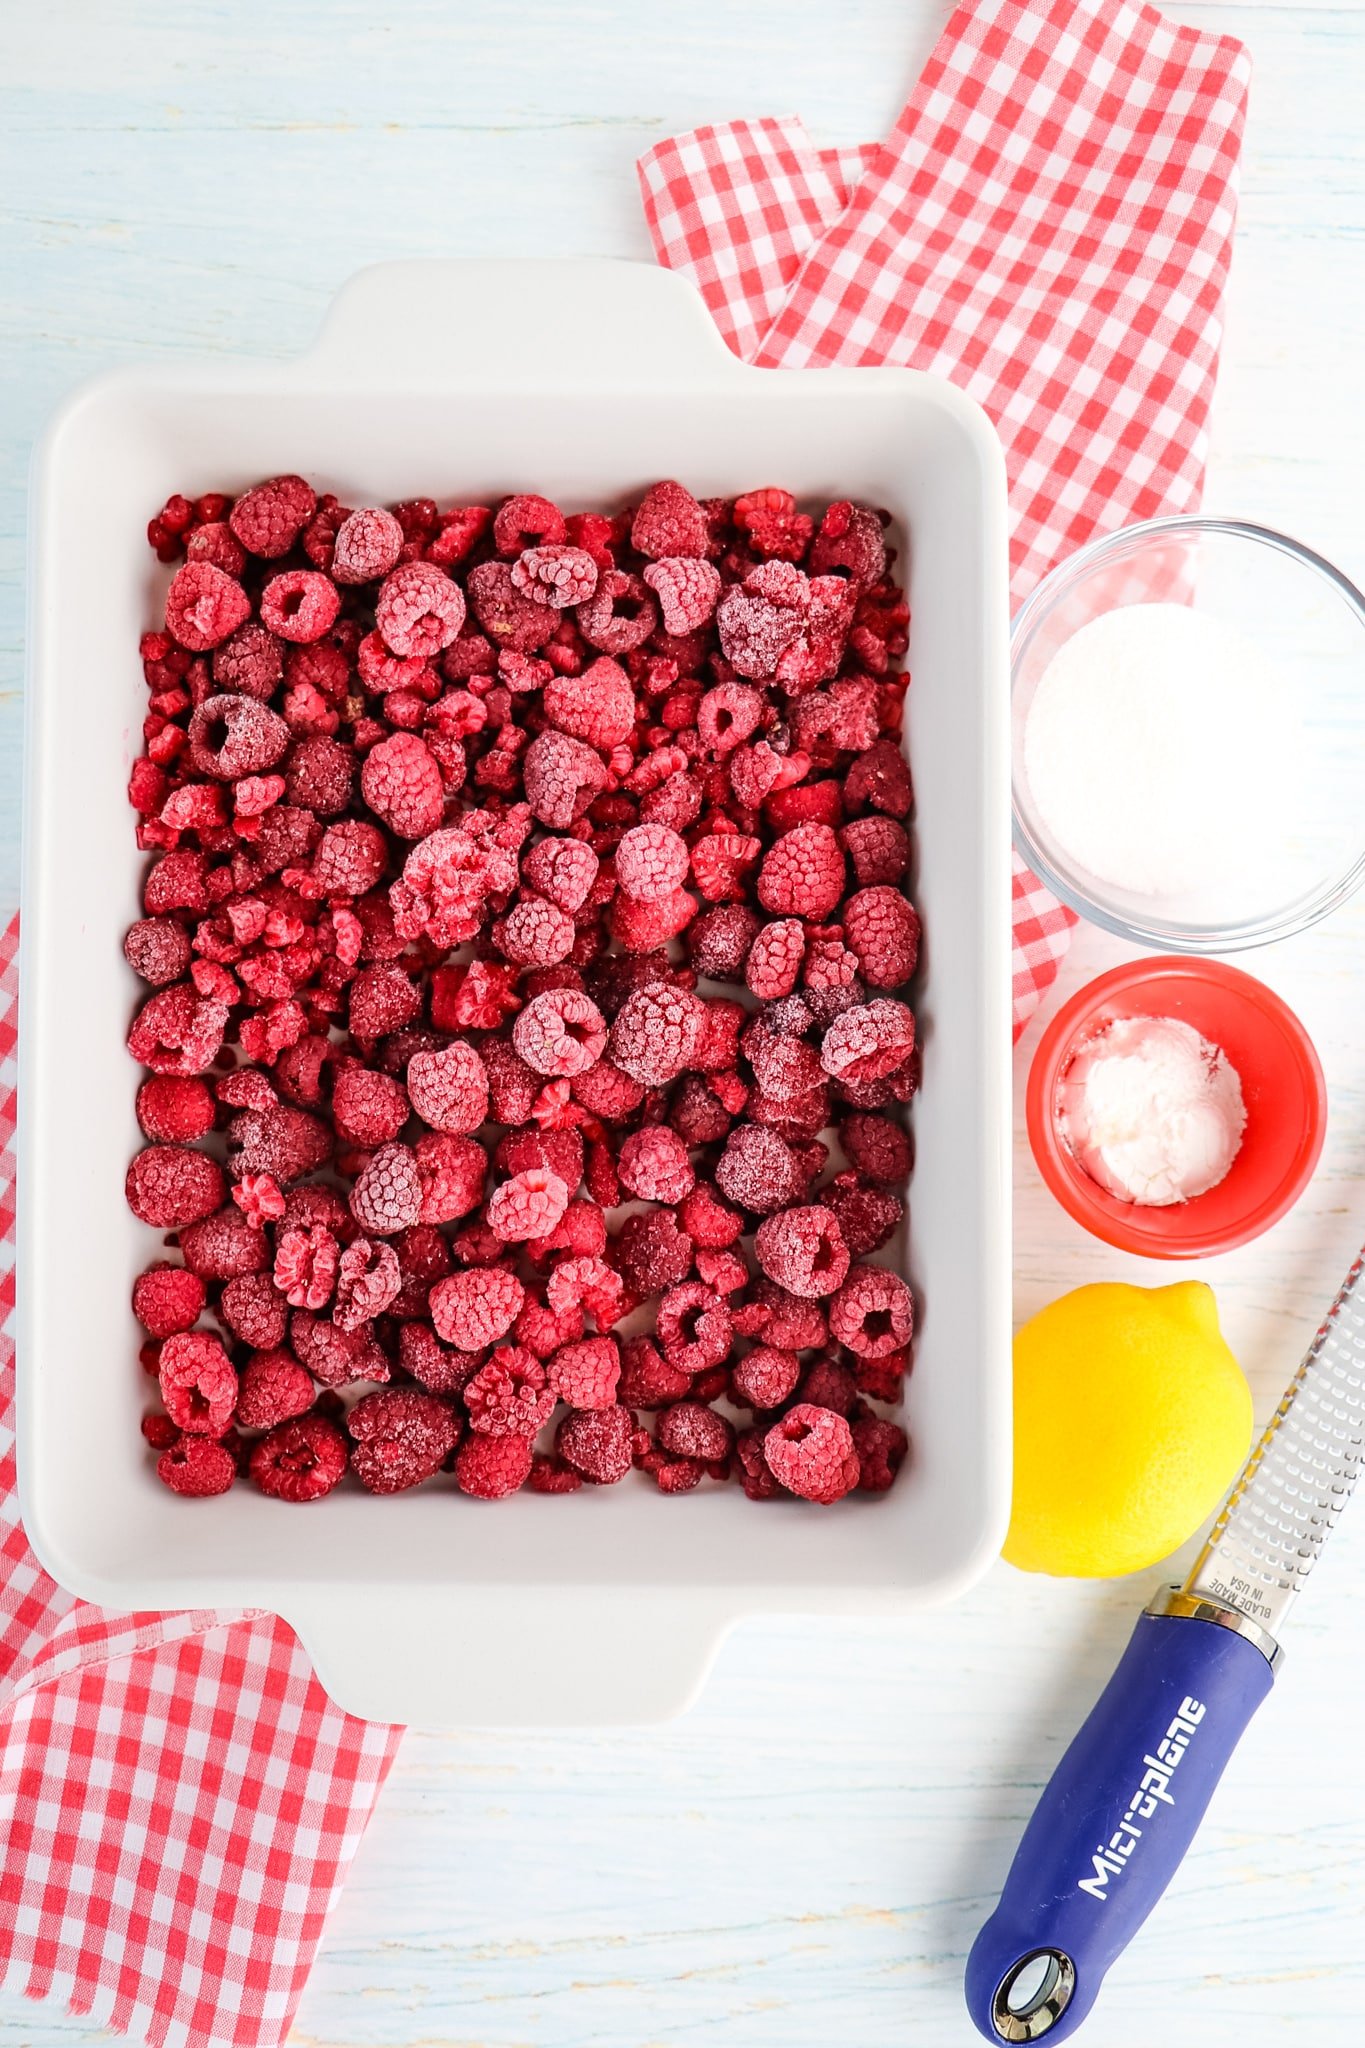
x=300, y=605
x=451, y=1173
x=561, y=870
x=167, y=1299
x=758, y=1171
x=849, y=539
x=653, y=1252
x=509, y=1396
x=562, y=775
x=585, y=1374
x=419, y=610
x=529, y=1205
x=773, y=526
x=491, y=1467
x=866, y=1043
x=657, y=1033
x=560, y=576
x=689, y=1429
x=669, y=521
x=157, y=949
x=444, y=885
x=282, y=1141
x=196, y=1467
x=474, y=998
x=873, y=1313
x=269, y=518
x=178, y=1031
x=368, y=545
x=368, y=1108
x=620, y=615
x=401, y=783
x=387, y=1197
x=560, y=1033
x=654, y=1165
x=204, y=606
x=881, y=927
x=198, y=1384
x=368, y=1279
x=274, y=1389
x=306, y=1263
x=765, y=1377
x=879, y=780
x=169, y=1186
x=694, y=1327
x=336, y=1357
x=687, y=588
x=802, y=873
x=651, y=862
x=301, y=1460
x=449, y=1089
x=773, y=964
x=400, y=1437
x=596, y=1442
x=507, y=616
x=882, y=1448
x=810, y=1452
x=876, y=1146
x=535, y=933
x=803, y=1250
x=223, y=1246
x=475, y=1308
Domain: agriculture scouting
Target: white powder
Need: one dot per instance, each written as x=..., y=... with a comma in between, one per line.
x=1157, y=748
x=1152, y=1110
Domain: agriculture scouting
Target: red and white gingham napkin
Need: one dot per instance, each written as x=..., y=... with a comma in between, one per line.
x=1049, y=225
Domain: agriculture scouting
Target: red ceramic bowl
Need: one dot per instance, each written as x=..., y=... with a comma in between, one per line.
x=1282, y=1088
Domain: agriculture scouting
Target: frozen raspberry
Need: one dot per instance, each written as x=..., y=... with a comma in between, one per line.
x=284, y=1142
x=879, y=849
x=876, y=1146
x=590, y=1283
x=718, y=943
x=687, y=588
x=757, y=1479
x=306, y=1264
x=251, y=662
x=775, y=957
x=439, y=1370
x=669, y=521
x=449, y=1089
x=540, y=1329
x=548, y=1475
x=653, y=1253
x=810, y=1451
x=368, y=1109
x=654, y=1165
x=246, y=1088
x=561, y=870
x=419, y=610
x=508, y=1396
x=222, y=1246
x=620, y=615
x=765, y=1377
x=647, y=1381
x=881, y=1447
x=204, y=606
x=803, y=1250
x=585, y=1374
x=535, y=933
x=849, y=538
x=873, y=1313
x=559, y=576
x=491, y=1467
x=513, y=1087
x=319, y=774
x=387, y=1197
x=651, y=862
x=196, y=1468
x=562, y=776
x=451, y=1171
x=866, y=1043
x=559, y=1033
x=802, y=873
x=689, y=1429
x=529, y=1205
x=758, y=1171
x=527, y=520
x=368, y=1279
x=596, y=1442
x=300, y=1460
x=597, y=707
x=708, y=1220
x=507, y=617
x=157, y=949
x=254, y=1310
x=177, y=1031
x=475, y=1308
x=167, y=1299
x=368, y=545
x=755, y=632
x=772, y=525
x=657, y=1033
x=697, y=1114
x=400, y=1437
x=269, y=518
x=382, y=1000
x=829, y=1384
x=882, y=929
x=198, y=1384
x=401, y=783
x=258, y=1197
x=693, y=1327
x=423, y=1258
x=350, y=858
x=879, y=780
x=176, y=882
x=643, y=927
x=727, y=716
x=786, y=1069
x=338, y=1358
x=170, y=1185
x=175, y=1108
x=300, y=605
x=868, y=1215
x=473, y=998
x=274, y=1389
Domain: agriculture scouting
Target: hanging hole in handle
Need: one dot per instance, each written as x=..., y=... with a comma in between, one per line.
x=1034, y=1995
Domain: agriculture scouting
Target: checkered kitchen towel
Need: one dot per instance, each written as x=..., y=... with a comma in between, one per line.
x=1049, y=225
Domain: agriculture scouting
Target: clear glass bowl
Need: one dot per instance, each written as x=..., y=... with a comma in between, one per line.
x=1307, y=622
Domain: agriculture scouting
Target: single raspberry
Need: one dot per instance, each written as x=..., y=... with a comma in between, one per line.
x=419, y=610
x=687, y=588
x=689, y=1429
x=651, y=863
x=251, y=662
x=382, y=1000
x=475, y=1308
x=755, y=1475
x=157, y=949
x=258, y=1197
x=693, y=1327
x=873, y=1313
x=718, y=943
x=561, y=870
x=868, y=1215
x=540, y=1329
x=254, y=1310
x=451, y=1172
x=643, y=927
x=198, y=1384
x=306, y=1266
x=368, y=1279
x=876, y=1146
x=881, y=1447
x=596, y=1442
x=772, y=525
x=491, y=1467
x=423, y=1258
x=169, y=1186
x=786, y=1069
x=368, y=1109
x=758, y=1171
x=669, y=521
x=727, y=716
x=449, y=1089
x=176, y=882
x=223, y=1246
x=657, y=1033
x=400, y=1437
x=269, y=518
x=882, y=929
x=300, y=1460
x=755, y=632
x=802, y=873
x=559, y=1033
x=175, y=1108
x=596, y=706
x=535, y=933
x=548, y=1475
x=274, y=1389
x=697, y=1113
x=387, y=1197
x=828, y=1384
x=653, y=1253
x=246, y=1088
x=196, y=1467
x=529, y=1205
x=677, y=1475
x=620, y=615
x=810, y=1451
x=368, y=545
x=167, y=1299
x=439, y=1370
x=765, y=1377
x=204, y=606
x=300, y=605
x=178, y=1031
x=647, y=1380
x=867, y=1043
x=508, y=1396
x=879, y=849
x=338, y=1358
x=879, y=780
x=585, y=1373
x=526, y=520
x=473, y=998
x=401, y=783
x=562, y=775
x=849, y=538
x=774, y=960
x=513, y=1087
x=803, y=1250
x=654, y=1165
x=559, y=576
x=507, y=617
x=350, y=858
x=591, y=1283
x=284, y=1141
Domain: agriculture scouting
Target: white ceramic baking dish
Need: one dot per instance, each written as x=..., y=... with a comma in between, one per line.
x=466, y=380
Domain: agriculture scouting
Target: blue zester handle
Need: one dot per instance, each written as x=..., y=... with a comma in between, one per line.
x=1122, y=1808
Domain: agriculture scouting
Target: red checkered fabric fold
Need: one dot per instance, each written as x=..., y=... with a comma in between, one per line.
x=1049, y=225
x=179, y=1799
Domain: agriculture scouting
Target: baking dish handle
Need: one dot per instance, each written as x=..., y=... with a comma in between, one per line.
x=510, y=1656
x=507, y=322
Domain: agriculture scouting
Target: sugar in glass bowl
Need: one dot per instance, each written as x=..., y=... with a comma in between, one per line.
x=1306, y=623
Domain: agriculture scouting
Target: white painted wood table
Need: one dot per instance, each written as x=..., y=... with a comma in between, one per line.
x=805, y=1857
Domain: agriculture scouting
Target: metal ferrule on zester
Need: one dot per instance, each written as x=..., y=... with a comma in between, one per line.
x=1188, y=1606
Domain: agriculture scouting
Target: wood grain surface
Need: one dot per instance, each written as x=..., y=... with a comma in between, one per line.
x=802, y=1860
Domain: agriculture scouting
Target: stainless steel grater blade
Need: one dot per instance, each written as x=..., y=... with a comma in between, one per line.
x=1299, y=1477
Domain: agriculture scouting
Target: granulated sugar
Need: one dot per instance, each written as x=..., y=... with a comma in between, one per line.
x=1156, y=747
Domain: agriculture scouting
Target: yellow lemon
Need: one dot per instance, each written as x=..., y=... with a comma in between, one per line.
x=1131, y=1420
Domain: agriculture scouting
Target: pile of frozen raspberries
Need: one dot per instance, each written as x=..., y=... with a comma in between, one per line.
x=527, y=897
